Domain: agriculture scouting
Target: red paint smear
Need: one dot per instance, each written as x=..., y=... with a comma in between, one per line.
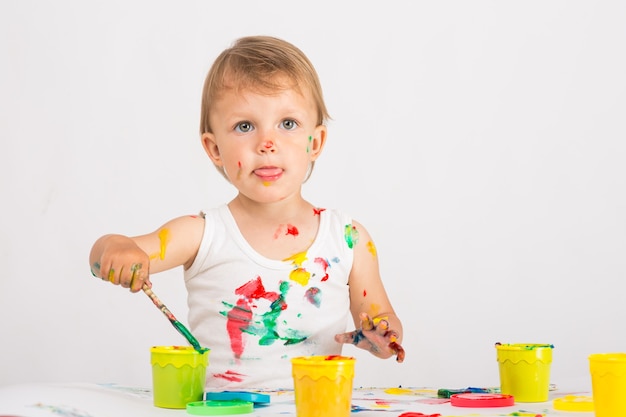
x=317, y=211
x=324, y=264
x=254, y=289
x=364, y=293
x=230, y=376
x=292, y=230
x=239, y=317
x=414, y=414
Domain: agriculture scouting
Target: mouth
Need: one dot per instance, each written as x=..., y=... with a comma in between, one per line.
x=268, y=173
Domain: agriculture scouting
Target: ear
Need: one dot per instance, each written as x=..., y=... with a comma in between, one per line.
x=210, y=147
x=317, y=142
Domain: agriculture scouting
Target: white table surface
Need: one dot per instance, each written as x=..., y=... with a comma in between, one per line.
x=111, y=400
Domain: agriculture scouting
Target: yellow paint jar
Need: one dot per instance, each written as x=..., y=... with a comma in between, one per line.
x=323, y=385
x=608, y=383
x=525, y=370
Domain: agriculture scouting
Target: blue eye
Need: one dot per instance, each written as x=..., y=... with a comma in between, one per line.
x=244, y=127
x=289, y=124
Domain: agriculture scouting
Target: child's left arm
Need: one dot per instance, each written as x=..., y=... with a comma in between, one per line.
x=378, y=328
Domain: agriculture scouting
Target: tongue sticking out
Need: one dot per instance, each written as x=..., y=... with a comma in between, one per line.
x=268, y=174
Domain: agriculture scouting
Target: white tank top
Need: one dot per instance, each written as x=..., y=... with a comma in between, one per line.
x=256, y=313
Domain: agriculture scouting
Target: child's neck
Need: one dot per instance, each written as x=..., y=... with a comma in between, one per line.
x=279, y=211
x=276, y=230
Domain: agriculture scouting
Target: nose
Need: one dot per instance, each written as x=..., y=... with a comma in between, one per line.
x=267, y=146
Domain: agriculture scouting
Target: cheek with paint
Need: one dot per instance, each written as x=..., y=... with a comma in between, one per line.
x=239, y=170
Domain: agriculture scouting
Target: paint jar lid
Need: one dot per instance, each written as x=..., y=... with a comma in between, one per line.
x=220, y=408
x=482, y=400
x=251, y=396
x=574, y=403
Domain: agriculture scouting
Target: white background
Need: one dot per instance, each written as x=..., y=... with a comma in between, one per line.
x=482, y=143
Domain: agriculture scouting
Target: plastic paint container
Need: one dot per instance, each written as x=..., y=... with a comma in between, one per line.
x=608, y=383
x=525, y=370
x=323, y=385
x=178, y=375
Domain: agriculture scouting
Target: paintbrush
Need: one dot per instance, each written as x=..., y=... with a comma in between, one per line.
x=177, y=325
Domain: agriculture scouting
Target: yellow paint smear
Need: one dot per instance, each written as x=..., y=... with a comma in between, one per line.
x=371, y=247
x=164, y=237
x=375, y=309
x=297, y=259
x=300, y=275
x=407, y=391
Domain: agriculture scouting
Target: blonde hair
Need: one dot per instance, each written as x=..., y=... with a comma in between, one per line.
x=263, y=64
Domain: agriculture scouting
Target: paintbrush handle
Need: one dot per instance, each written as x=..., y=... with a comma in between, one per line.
x=158, y=303
x=177, y=325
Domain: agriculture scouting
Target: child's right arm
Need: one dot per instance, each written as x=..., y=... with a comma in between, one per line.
x=129, y=261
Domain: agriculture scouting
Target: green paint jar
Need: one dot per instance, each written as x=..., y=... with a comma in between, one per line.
x=178, y=375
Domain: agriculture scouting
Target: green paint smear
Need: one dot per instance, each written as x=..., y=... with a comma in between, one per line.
x=265, y=328
x=351, y=235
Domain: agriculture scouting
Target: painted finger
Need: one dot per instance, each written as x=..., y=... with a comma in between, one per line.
x=136, y=281
x=392, y=335
x=383, y=327
x=111, y=276
x=357, y=337
x=95, y=270
x=398, y=350
x=345, y=337
x=124, y=278
x=366, y=322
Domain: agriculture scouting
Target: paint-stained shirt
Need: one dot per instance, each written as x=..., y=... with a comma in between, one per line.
x=256, y=313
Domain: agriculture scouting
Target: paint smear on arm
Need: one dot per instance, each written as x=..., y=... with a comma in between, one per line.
x=164, y=238
x=371, y=248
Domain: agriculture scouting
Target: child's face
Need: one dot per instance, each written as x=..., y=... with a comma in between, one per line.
x=265, y=143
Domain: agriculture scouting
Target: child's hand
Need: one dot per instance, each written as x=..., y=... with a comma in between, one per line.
x=375, y=337
x=122, y=262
